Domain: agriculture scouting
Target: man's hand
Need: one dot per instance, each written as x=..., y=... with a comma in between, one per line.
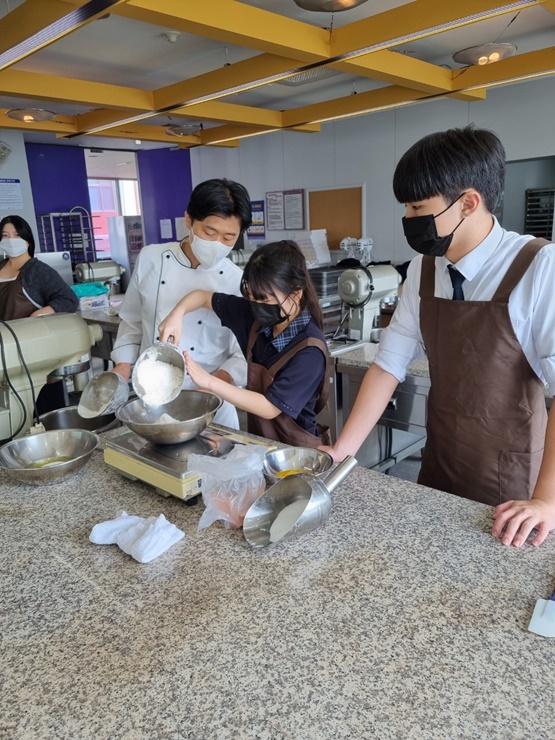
x=514, y=520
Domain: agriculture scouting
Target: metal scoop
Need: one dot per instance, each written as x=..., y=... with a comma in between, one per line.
x=164, y=352
x=104, y=394
x=301, y=501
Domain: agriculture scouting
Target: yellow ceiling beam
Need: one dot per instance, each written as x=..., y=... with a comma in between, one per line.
x=234, y=23
x=416, y=20
x=549, y=5
x=241, y=114
x=245, y=75
x=532, y=64
x=231, y=133
x=80, y=92
x=31, y=22
x=352, y=105
x=399, y=69
x=156, y=134
x=30, y=18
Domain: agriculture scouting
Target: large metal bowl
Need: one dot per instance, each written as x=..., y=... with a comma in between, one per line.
x=70, y=418
x=279, y=464
x=173, y=423
x=48, y=457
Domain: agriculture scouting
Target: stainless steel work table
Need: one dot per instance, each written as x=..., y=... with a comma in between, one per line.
x=400, y=618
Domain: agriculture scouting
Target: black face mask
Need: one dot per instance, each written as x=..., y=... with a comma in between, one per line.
x=421, y=233
x=267, y=314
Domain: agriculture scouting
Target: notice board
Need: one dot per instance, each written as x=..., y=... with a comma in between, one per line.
x=337, y=211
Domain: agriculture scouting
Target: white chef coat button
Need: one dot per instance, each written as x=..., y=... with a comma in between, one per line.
x=167, y=256
x=221, y=272
x=163, y=282
x=191, y=349
x=200, y=322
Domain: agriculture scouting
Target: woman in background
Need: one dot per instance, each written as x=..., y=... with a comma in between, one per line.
x=28, y=287
x=278, y=325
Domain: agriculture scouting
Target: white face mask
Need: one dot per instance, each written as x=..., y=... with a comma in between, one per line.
x=208, y=253
x=14, y=247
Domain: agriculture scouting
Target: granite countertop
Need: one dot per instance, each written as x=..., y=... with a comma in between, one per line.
x=401, y=617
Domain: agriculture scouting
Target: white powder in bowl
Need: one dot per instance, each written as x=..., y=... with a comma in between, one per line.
x=166, y=419
x=159, y=381
x=286, y=519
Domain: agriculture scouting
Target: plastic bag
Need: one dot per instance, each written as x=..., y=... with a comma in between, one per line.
x=230, y=484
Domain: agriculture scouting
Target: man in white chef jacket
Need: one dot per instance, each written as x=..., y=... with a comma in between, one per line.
x=217, y=213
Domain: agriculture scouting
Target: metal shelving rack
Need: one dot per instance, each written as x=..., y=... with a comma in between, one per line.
x=72, y=232
x=538, y=218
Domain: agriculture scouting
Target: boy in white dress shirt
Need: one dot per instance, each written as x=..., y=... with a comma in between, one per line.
x=479, y=304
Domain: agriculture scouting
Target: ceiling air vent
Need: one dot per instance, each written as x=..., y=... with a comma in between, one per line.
x=311, y=75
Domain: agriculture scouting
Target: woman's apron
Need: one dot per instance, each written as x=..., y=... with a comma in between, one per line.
x=13, y=302
x=486, y=408
x=283, y=428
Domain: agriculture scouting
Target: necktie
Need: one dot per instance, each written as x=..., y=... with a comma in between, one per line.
x=457, y=278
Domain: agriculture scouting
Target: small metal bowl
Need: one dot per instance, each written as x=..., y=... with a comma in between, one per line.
x=173, y=423
x=48, y=457
x=279, y=464
x=161, y=352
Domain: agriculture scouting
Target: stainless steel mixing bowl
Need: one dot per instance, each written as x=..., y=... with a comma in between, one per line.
x=279, y=464
x=163, y=352
x=175, y=422
x=48, y=457
x=70, y=418
x=103, y=395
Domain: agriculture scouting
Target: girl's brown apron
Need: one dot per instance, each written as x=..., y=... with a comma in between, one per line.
x=486, y=408
x=283, y=428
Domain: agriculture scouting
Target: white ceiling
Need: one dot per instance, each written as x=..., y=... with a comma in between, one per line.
x=125, y=51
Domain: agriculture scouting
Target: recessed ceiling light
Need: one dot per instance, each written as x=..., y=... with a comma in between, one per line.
x=30, y=115
x=183, y=129
x=484, y=54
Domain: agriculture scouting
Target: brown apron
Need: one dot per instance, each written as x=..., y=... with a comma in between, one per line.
x=13, y=302
x=283, y=428
x=486, y=408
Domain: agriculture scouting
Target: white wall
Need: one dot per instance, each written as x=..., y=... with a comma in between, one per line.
x=522, y=176
x=365, y=150
x=15, y=167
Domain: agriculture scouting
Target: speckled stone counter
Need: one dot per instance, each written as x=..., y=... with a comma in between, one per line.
x=401, y=617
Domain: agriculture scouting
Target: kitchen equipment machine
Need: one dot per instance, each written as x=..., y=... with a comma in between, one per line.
x=36, y=351
x=363, y=289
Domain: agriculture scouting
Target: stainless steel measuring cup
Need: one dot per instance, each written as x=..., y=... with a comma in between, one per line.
x=104, y=394
x=165, y=352
x=294, y=490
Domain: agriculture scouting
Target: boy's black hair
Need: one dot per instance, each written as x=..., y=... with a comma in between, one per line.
x=23, y=230
x=220, y=198
x=280, y=266
x=448, y=163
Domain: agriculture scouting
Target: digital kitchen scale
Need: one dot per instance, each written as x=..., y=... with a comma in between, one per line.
x=164, y=467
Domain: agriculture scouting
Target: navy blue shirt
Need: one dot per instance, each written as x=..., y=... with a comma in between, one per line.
x=295, y=387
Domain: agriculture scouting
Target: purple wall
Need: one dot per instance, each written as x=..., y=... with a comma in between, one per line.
x=58, y=177
x=165, y=184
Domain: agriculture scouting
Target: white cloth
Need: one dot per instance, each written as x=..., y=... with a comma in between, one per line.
x=161, y=278
x=531, y=305
x=143, y=539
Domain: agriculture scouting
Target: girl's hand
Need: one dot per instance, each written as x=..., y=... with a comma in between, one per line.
x=199, y=376
x=171, y=327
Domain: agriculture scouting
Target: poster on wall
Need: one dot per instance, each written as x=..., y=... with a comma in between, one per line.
x=274, y=209
x=293, y=208
x=257, y=228
x=11, y=197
